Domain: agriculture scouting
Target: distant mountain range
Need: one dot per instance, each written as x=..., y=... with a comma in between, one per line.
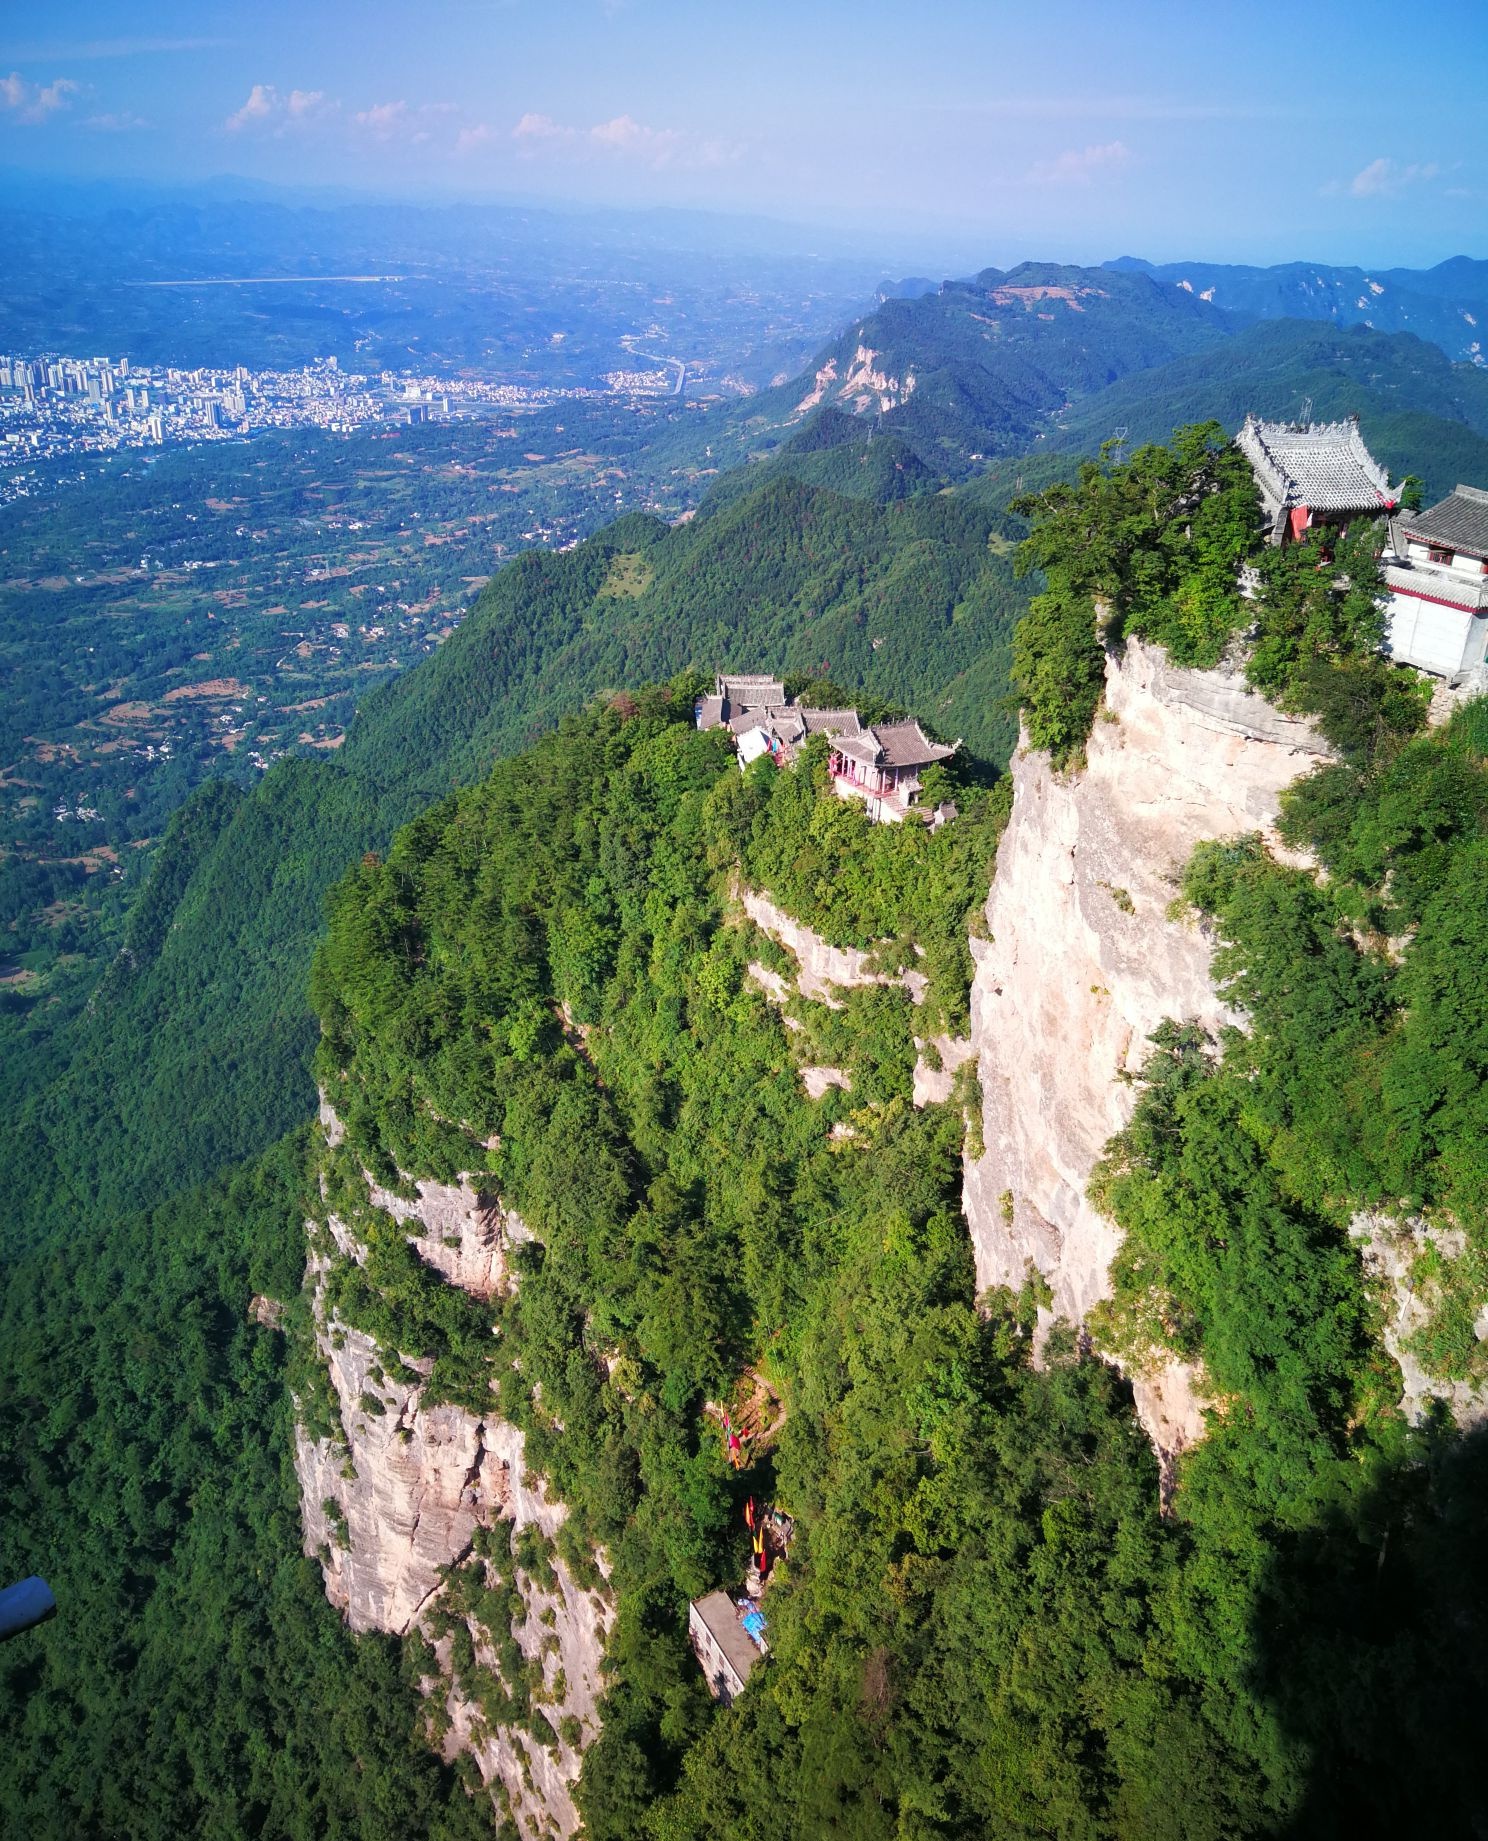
x=1447, y=304
x=981, y=365
x=1053, y=359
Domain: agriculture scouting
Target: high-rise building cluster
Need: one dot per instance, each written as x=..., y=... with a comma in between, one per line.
x=54, y=405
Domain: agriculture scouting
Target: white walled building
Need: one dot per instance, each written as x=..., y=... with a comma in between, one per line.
x=715, y=1625
x=1437, y=576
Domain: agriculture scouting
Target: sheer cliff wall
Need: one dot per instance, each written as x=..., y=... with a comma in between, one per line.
x=1083, y=962
x=401, y=1495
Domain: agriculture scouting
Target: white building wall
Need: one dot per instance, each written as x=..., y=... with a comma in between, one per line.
x=1443, y=640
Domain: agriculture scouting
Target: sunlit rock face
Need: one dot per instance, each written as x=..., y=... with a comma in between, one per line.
x=1083, y=963
x=400, y=1495
x=1391, y=1247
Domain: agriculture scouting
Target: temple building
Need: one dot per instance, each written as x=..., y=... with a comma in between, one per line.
x=880, y=764
x=1319, y=473
x=1436, y=571
x=763, y=720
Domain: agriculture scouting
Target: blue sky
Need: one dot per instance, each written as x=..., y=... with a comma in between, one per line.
x=988, y=131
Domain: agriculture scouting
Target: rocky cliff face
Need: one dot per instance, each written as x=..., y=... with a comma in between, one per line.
x=1083, y=963
x=405, y=1493
x=822, y=970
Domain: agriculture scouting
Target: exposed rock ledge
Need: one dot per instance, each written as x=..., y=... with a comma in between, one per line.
x=460, y=1231
x=1389, y=1249
x=1083, y=964
x=824, y=969
x=410, y=1486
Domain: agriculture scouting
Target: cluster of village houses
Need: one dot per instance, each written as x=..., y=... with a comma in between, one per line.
x=1315, y=475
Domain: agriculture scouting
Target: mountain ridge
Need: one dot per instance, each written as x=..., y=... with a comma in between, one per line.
x=1447, y=304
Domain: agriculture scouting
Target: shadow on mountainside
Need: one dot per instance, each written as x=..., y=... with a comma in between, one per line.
x=1372, y=1645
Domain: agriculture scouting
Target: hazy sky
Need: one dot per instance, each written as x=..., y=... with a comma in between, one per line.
x=1258, y=131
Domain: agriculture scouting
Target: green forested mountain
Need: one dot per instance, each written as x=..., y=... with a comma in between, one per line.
x=1420, y=413
x=980, y=365
x=194, y=1049
x=1048, y=358
x=986, y=1626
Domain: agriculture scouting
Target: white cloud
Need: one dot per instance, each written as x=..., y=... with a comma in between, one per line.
x=1388, y=178
x=1080, y=165
x=34, y=102
x=471, y=140
x=121, y=123
x=402, y=122
x=263, y=101
x=623, y=138
x=267, y=109
x=385, y=121
x=625, y=135
x=534, y=131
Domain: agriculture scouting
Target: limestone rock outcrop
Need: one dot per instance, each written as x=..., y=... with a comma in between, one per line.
x=401, y=1497
x=398, y=1497
x=823, y=968
x=1390, y=1248
x=460, y=1231
x=1083, y=962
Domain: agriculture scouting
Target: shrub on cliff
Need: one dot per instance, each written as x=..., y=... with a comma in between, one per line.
x=1153, y=546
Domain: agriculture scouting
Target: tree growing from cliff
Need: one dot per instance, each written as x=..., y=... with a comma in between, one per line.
x=1153, y=546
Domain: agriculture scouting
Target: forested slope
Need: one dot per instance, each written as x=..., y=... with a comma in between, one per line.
x=1420, y=413
x=986, y=1624
x=195, y=1047
x=904, y=599
x=194, y=1681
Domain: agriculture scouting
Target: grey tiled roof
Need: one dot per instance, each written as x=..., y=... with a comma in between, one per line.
x=1439, y=585
x=862, y=748
x=905, y=744
x=831, y=722
x=1325, y=466
x=1458, y=523
x=894, y=744
x=751, y=692
x=782, y=721
x=710, y=713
